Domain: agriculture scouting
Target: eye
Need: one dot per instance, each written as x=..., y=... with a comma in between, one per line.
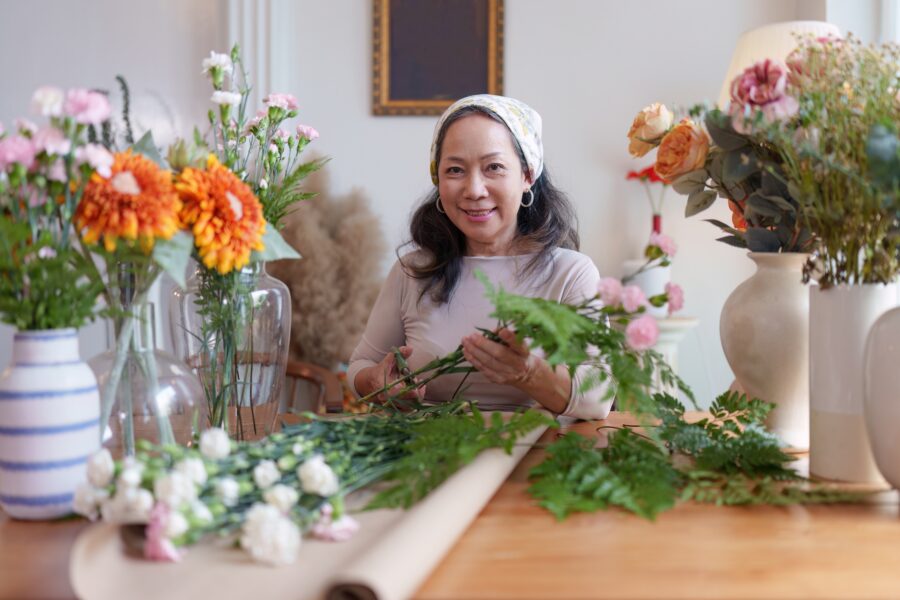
x=454, y=170
x=496, y=167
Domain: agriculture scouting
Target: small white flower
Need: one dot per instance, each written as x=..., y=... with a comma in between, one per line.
x=129, y=505
x=132, y=473
x=100, y=468
x=176, y=525
x=297, y=448
x=269, y=536
x=228, y=491
x=281, y=497
x=316, y=477
x=47, y=101
x=266, y=474
x=193, y=469
x=214, y=443
x=201, y=512
x=263, y=184
x=221, y=61
x=175, y=489
x=88, y=499
x=230, y=98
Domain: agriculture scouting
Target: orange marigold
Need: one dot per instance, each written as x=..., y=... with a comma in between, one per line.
x=137, y=203
x=225, y=216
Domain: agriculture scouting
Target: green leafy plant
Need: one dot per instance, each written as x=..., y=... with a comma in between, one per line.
x=726, y=459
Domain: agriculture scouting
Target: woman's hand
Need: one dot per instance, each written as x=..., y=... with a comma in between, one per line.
x=510, y=364
x=377, y=376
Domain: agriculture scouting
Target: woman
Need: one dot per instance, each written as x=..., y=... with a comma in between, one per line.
x=493, y=209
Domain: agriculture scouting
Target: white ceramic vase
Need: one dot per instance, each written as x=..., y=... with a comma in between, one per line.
x=764, y=327
x=881, y=398
x=840, y=320
x=49, y=424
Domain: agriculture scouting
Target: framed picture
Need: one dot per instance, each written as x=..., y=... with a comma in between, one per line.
x=428, y=53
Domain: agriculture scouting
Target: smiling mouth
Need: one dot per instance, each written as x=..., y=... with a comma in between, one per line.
x=479, y=213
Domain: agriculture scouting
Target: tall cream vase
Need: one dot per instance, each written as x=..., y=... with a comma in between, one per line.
x=764, y=328
x=840, y=320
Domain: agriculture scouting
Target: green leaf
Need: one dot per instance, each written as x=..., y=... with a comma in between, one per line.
x=698, y=202
x=733, y=240
x=762, y=240
x=724, y=226
x=147, y=147
x=738, y=165
x=718, y=124
x=173, y=255
x=275, y=247
x=689, y=183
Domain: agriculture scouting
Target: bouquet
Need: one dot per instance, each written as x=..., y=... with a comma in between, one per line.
x=45, y=283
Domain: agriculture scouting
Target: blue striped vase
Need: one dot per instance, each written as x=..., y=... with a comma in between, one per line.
x=49, y=424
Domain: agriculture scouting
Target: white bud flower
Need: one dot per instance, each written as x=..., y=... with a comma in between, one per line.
x=228, y=491
x=193, y=469
x=175, y=489
x=176, y=525
x=266, y=474
x=269, y=536
x=221, y=97
x=100, y=468
x=316, y=477
x=214, y=443
x=281, y=497
x=221, y=61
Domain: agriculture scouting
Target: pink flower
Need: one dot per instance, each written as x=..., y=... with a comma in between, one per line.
x=25, y=126
x=676, y=297
x=158, y=546
x=761, y=87
x=285, y=101
x=307, y=131
x=642, y=333
x=47, y=101
x=16, y=149
x=664, y=243
x=46, y=252
x=334, y=531
x=610, y=290
x=87, y=107
x=633, y=298
x=282, y=135
x=52, y=141
x=98, y=157
x=57, y=171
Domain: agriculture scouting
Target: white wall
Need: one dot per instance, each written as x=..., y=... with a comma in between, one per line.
x=586, y=65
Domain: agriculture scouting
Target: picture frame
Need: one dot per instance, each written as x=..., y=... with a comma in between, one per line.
x=428, y=54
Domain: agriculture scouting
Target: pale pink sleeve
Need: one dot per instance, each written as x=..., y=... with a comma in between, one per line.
x=384, y=330
x=593, y=403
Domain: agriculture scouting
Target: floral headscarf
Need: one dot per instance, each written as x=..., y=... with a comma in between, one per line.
x=523, y=122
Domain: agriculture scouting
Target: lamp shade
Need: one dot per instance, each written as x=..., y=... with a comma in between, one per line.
x=773, y=41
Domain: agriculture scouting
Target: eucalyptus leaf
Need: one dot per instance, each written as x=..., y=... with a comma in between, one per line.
x=173, y=255
x=723, y=226
x=778, y=201
x=733, y=240
x=762, y=240
x=698, y=202
x=275, y=247
x=689, y=183
x=738, y=165
x=723, y=135
x=758, y=206
x=147, y=147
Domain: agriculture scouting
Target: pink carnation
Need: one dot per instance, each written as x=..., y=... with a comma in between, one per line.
x=98, y=157
x=642, y=333
x=158, y=546
x=282, y=135
x=675, y=295
x=307, y=131
x=25, y=126
x=334, y=531
x=664, y=243
x=761, y=87
x=633, y=298
x=87, y=107
x=285, y=101
x=16, y=149
x=610, y=290
x=52, y=141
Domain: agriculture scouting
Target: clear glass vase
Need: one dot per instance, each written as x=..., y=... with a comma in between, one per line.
x=234, y=330
x=145, y=393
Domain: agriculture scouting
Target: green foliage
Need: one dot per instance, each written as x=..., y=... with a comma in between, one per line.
x=277, y=201
x=437, y=448
x=728, y=459
x=42, y=287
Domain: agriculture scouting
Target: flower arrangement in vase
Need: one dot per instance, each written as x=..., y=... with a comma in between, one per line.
x=231, y=322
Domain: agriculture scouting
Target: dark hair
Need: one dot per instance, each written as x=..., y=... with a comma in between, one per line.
x=549, y=223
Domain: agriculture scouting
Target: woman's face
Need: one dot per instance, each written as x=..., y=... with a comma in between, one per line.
x=481, y=182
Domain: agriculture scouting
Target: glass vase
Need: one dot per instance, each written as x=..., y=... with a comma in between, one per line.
x=146, y=393
x=234, y=330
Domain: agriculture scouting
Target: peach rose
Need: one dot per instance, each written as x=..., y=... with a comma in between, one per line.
x=648, y=127
x=682, y=150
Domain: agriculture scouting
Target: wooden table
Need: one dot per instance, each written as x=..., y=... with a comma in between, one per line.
x=516, y=550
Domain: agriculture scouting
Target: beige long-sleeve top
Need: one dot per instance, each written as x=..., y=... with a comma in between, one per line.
x=400, y=318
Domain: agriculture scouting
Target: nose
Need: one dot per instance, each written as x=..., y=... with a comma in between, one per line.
x=475, y=188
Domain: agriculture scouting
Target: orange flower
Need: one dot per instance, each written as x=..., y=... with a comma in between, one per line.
x=225, y=216
x=737, y=215
x=682, y=150
x=138, y=203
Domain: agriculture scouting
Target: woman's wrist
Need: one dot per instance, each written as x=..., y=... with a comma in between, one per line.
x=549, y=386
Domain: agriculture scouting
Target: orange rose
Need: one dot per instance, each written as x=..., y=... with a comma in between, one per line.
x=682, y=150
x=648, y=127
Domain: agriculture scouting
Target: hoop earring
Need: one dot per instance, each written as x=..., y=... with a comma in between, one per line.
x=440, y=208
x=530, y=193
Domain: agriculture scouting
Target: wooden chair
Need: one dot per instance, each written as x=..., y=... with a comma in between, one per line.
x=330, y=397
